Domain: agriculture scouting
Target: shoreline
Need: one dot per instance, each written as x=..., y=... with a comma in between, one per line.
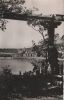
x=28, y=58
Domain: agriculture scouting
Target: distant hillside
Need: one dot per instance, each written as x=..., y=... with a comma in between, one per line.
x=9, y=50
x=40, y=49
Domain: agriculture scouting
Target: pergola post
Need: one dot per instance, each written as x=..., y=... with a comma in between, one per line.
x=52, y=51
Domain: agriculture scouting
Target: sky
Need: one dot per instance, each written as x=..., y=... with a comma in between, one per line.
x=19, y=35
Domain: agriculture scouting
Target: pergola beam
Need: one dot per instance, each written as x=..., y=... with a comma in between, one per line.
x=25, y=17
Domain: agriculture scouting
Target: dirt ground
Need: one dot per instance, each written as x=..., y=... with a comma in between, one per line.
x=45, y=98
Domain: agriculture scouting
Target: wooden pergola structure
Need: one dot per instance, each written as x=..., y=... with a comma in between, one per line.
x=50, y=23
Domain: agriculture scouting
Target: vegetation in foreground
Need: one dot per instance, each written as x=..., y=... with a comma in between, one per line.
x=29, y=85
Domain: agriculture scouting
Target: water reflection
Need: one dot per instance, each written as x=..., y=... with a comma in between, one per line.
x=16, y=65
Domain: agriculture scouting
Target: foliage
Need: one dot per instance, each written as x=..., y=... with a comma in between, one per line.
x=16, y=6
x=5, y=82
x=6, y=71
x=41, y=48
x=10, y=6
x=36, y=25
x=3, y=24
